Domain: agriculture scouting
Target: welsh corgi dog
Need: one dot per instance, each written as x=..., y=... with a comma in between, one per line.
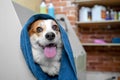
x=45, y=38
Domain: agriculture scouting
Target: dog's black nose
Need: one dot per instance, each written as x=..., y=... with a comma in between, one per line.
x=50, y=36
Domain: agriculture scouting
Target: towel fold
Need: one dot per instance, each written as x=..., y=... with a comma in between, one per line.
x=67, y=69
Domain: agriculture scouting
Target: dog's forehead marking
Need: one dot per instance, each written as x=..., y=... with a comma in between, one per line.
x=41, y=23
x=49, y=23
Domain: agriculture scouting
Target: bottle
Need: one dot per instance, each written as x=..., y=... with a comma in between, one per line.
x=111, y=14
x=97, y=13
x=89, y=15
x=108, y=17
x=43, y=8
x=51, y=10
x=119, y=15
x=103, y=13
x=84, y=14
x=115, y=15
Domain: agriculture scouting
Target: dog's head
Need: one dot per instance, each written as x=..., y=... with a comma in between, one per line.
x=45, y=35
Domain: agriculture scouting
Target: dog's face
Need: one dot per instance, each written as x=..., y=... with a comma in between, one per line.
x=45, y=35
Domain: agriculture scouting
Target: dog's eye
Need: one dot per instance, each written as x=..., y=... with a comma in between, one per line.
x=39, y=29
x=55, y=27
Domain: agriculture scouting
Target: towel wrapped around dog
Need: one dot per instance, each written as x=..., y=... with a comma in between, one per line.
x=67, y=68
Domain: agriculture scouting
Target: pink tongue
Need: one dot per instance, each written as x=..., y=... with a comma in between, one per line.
x=50, y=52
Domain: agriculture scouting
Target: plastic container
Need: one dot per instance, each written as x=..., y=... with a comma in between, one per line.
x=115, y=15
x=108, y=16
x=116, y=40
x=119, y=15
x=51, y=10
x=103, y=13
x=89, y=15
x=84, y=14
x=99, y=41
x=43, y=8
x=112, y=14
x=98, y=13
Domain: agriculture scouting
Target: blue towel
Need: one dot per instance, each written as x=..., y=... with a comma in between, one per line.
x=67, y=69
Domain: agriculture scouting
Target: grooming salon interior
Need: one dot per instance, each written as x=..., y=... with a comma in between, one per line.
x=92, y=26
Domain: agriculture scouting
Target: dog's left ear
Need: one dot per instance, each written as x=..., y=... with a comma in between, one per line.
x=30, y=26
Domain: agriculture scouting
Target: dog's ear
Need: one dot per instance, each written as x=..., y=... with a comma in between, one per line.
x=29, y=28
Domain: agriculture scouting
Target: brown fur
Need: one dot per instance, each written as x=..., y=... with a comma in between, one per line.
x=34, y=27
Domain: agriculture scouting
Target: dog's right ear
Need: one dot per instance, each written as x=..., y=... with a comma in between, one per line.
x=30, y=29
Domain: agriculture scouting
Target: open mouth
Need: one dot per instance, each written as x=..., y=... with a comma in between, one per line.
x=50, y=50
x=51, y=45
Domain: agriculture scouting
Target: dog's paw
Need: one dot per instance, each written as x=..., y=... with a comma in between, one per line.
x=44, y=68
x=54, y=70
x=50, y=72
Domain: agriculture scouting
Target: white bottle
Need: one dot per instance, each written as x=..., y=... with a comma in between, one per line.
x=97, y=13
x=111, y=14
x=83, y=14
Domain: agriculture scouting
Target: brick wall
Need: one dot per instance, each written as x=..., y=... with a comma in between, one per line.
x=101, y=58
x=65, y=7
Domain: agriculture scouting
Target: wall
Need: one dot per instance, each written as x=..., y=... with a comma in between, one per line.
x=65, y=7
x=12, y=64
x=23, y=13
x=103, y=59
x=30, y=4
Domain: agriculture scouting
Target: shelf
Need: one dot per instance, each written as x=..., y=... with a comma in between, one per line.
x=114, y=3
x=96, y=44
x=99, y=25
x=91, y=23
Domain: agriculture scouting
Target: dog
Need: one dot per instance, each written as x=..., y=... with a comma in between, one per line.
x=46, y=45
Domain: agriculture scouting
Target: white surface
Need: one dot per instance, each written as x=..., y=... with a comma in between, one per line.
x=12, y=64
x=102, y=75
